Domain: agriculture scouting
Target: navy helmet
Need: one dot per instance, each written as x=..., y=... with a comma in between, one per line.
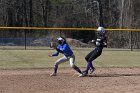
x=61, y=40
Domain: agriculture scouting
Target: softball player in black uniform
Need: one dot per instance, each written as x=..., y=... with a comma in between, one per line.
x=100, y=43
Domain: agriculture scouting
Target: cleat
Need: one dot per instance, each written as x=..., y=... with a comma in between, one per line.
x=83, y=74
x=76, y=74
x=53, y=74
x=91, y=70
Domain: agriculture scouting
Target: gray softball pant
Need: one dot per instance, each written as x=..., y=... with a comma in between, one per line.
x=71, y=59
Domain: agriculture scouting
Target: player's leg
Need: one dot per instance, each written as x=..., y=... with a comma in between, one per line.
x=89, y=55
x=93, y=57
x=92, y=69
x=59, y=61
x=72, y=64
x=89, y=65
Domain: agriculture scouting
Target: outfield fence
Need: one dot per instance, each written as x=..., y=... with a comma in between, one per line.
x=40, y=38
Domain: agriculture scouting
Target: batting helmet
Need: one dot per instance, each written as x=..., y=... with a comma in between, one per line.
x=101, y=30
x=61, y=40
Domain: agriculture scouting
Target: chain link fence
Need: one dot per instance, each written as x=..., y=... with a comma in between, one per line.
x=40, y=39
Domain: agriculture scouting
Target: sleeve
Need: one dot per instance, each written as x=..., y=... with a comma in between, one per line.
x=104, y=39
x=63, y=48
x=59, y=49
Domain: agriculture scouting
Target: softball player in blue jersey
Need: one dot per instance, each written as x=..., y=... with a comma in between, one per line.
x=100, y=43
x=64, y=48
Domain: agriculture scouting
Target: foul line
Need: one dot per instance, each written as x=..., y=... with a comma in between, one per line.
x=43, y=28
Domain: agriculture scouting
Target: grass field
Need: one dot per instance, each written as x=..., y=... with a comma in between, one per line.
x=12, y=59
x=15, y=78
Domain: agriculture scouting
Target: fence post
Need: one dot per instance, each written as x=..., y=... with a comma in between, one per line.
x=60, y=34
x=25, y=39
x=131, y=40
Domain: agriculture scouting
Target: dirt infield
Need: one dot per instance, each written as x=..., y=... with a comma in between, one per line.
x=103, y=80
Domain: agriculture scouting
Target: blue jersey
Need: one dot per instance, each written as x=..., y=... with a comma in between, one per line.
x=64, y=49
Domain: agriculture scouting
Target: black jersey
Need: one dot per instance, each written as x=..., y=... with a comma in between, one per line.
x=101, y=42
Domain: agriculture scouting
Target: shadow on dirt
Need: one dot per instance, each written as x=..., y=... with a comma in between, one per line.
x=112, y=75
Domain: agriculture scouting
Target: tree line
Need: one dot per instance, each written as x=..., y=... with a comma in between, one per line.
x=72, y=13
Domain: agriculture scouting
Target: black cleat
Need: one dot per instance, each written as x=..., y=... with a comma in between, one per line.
x=92, y=70
x=83, y=74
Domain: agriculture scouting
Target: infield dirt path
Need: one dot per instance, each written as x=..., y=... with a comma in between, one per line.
x=103, y=80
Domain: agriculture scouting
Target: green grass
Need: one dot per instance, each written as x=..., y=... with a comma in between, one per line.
x=10, y=59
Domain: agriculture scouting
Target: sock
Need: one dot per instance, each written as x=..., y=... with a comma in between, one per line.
x=91, y=66
x=55, y=68
x=88, y=67
x=77, y=69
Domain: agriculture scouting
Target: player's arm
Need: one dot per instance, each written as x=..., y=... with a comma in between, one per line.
x=105, y=41
x=104, y=44
x=59, y=50
x=54, y=54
